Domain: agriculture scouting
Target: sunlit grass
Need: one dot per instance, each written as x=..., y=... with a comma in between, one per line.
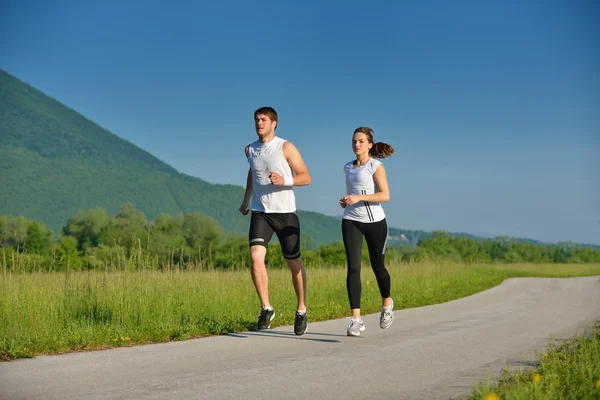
x=53, y=312
x=568, y=370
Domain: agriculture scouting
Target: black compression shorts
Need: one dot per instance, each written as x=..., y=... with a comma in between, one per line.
x=285, y=225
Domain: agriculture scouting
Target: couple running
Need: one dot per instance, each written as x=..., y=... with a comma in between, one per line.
x=275, y=167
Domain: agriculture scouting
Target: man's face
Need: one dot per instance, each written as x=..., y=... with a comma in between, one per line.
x=264, y=126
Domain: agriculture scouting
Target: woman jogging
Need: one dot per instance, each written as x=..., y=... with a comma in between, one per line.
x=366, y=188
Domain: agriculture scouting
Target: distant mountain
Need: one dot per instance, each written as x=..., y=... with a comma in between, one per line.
x=55, y=162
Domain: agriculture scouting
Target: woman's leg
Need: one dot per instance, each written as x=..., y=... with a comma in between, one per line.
x=376, y=236
x=353, y=246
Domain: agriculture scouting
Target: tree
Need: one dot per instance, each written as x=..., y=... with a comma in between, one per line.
x=38, y=238
x=127, y=228
x=86, y=227
x=439, y=245
x=466, y=248
x=13, y=231
x=68, y=255
x=201, y=233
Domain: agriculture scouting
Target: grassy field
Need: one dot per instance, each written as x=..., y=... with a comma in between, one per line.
x=569, y=370
x=48, y=313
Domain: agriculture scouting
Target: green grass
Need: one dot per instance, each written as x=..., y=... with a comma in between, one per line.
x=568, y=370
x=55, y=312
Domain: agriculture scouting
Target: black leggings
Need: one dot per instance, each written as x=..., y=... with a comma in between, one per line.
x=375, y=234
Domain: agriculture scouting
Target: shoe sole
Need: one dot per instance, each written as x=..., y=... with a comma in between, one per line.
x=272, y=318
x=385, y=327
x=303, y=332
x=362, y=329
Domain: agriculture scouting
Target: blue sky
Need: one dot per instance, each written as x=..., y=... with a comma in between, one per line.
x=492, y=106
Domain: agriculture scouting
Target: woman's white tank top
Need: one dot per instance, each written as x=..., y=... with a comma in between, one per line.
x=359, y=180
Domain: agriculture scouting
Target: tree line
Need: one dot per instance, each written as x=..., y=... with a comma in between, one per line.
x=92, y=239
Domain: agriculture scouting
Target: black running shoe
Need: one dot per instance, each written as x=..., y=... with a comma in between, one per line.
x=265, y=318
x=300, y=324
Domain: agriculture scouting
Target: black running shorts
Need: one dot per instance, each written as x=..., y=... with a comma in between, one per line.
x=285, y=225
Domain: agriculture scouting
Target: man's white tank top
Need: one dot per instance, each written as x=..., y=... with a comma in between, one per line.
x=359, y=180
x=266, y=197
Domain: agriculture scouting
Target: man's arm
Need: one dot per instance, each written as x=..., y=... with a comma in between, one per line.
x=294, y=159
x=248, y=193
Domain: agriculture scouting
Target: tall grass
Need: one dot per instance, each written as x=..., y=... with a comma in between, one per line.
x=115, y=258
x=53, y=312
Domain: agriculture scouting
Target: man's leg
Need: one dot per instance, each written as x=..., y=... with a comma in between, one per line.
x=287, y=228
x=260, y=277
x=299, y=280
x=259, y=236
x=288, y=232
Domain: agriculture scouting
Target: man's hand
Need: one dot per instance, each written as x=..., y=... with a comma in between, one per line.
x=276, y=179
x=244, y=208
x=342, y=203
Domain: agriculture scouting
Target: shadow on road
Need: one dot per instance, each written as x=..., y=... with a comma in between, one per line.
x=288, y=335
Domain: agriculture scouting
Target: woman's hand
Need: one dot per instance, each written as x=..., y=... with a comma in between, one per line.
x=351, y=199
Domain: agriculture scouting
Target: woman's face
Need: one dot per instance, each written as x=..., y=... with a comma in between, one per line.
x=360, y=144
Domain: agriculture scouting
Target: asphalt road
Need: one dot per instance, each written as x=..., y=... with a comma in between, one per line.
x=434, y=352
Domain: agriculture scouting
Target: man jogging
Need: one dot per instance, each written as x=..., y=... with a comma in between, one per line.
x=275, y=167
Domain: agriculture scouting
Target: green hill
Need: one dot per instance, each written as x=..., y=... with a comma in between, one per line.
x=55, y=162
